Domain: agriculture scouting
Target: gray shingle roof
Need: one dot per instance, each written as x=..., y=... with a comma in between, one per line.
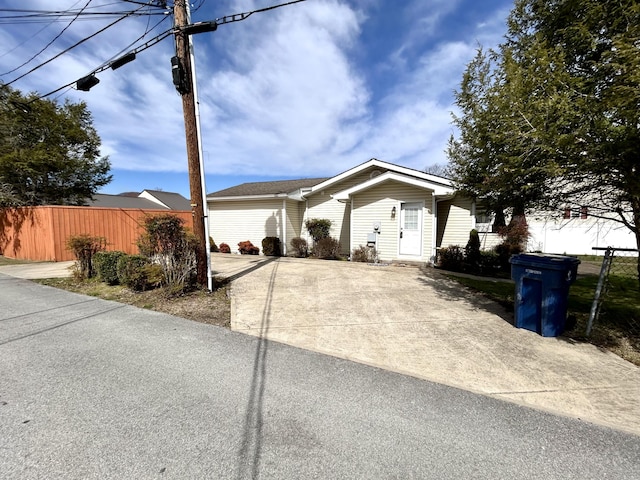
x=266, y=188
x=174, y=201
x=120, y=201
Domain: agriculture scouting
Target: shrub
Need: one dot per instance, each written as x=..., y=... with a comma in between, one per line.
x=271, y=246
x=318, y=228
x=504, y=251
x=138, y=273
x=472, y=252
x=212, y=245
x=364, y=254
x=167, y=243
x=516, y=234
x=489, y=263
x=106, y=266
x=84, y=247
x=299, y=247
x=327, y=248
x=247, y=248
x=451, y=258
x=224, y=248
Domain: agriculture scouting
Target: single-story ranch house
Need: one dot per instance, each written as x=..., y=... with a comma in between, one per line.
x=406, y=214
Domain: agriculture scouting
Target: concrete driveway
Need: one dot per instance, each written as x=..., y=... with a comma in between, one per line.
x=417, y=322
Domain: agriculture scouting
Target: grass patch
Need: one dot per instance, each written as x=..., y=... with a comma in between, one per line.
x=12, y=261
x=213, y=308
x=618, y=327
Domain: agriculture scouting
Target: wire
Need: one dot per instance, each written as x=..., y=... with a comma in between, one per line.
x=51, y=42
x=31, y=37
x=106, y=66
x=219, y=21
x=237, y=17
x=68, y=49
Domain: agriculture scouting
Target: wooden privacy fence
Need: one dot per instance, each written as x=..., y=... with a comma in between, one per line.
x=41, y=233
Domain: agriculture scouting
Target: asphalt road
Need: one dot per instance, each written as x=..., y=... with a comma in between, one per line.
x=95, y=389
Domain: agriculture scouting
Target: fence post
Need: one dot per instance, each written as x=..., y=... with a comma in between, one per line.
x=604, y=273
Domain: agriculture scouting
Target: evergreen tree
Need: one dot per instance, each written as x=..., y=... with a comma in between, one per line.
x=49, y=153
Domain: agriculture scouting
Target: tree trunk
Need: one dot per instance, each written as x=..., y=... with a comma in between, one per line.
x=499, y=221
x=635, y=205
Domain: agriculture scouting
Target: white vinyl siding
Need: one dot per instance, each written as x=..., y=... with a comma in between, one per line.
x=321, y=205
x=234, y=222
x=294, y=222
x=455, y=222
x=375, y=205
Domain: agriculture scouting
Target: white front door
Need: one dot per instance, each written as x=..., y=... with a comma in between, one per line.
x=411, y=229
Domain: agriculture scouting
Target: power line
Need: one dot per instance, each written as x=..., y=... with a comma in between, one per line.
x=51, y=42
x=106, y=66
x=22, y=16
x=32, y=36
x=211, y=25
x=68, y=49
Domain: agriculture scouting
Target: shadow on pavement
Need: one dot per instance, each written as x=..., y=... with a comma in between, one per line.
x=453, y=291
x=251, y=449
x=248, y=270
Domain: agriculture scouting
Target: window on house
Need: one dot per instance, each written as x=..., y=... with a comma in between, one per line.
x=567, y=212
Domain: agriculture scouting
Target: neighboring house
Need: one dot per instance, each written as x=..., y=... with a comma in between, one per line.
x=40, y=233
x=147, y=199
x=406, y=214
x=576, y=232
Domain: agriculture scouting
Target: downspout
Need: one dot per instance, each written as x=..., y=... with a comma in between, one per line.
x=434, y=228
x=306, y=217
x=351, y=227
x=284, y=227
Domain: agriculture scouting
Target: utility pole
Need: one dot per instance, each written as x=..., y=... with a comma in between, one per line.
x=182, y=76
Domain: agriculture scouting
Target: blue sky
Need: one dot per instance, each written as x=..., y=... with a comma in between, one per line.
x=307, y=90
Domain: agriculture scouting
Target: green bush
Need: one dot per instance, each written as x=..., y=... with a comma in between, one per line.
x=271, y=246
x=364, y=254
x=212, y=246
x=84, y=247
x=504, y=251
x=138, y=273
x=472, y=252
x=106, y=266
x=299, y=247
x=327, y=248
x=451, y=258
x=489, y=263
x=318, y=228
x=169, y=244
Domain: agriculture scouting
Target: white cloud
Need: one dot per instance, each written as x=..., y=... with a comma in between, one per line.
x=284, y=93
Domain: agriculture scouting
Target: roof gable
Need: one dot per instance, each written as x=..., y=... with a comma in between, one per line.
x=388, y=167
x=436, y=188
x=171, y=200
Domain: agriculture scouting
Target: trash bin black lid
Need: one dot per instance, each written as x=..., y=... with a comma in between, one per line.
x=542, y=260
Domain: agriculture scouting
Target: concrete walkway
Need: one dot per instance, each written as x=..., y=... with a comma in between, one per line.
x=419, y=323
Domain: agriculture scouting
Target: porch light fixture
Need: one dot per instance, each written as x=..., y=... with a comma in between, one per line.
x=393, y=212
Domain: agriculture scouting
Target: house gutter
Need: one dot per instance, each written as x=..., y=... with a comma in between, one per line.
x=283, y=215
x=434, y=228
x=248, y=197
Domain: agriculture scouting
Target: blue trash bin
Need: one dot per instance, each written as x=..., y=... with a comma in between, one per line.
x=542, y=290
